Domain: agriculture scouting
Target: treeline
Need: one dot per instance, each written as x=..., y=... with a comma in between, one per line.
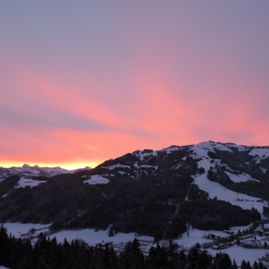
x=47, y=253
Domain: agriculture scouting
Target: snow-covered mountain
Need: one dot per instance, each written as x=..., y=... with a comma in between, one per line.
x=210, y=185
x=220, y=167
x=31, y=171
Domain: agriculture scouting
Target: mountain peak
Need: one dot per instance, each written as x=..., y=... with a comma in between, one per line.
x=28, y=166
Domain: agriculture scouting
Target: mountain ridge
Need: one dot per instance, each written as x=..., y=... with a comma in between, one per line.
x=209, y=185
x=36, y=171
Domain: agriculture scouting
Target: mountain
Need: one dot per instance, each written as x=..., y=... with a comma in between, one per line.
x=210, y=185
x=36, y=171
x=31, y=171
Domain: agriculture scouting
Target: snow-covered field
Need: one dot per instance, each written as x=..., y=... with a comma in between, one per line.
x=93, y=237
x=191, y=238
x=19, y=229
x=239, y=254
x=194, y=236
x=90, y=236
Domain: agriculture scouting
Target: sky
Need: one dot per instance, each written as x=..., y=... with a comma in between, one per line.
x=85, y=81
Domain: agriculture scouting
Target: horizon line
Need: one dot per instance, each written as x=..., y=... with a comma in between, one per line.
x=77, y=164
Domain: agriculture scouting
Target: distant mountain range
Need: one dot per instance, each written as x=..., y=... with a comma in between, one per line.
x=35, y=171
x=209, y=185
x=31, y=171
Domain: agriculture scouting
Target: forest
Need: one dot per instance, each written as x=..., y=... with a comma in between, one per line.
x=47, y=253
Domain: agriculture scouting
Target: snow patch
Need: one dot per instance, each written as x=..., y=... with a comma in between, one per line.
x=259, y=154
x=237, y=178
x=28, y=182
x=145, y=153
x=237, y=147
x=5, y=195
x=147, y=166
x=171, y=149
x=118, y=165
x=236, y=229
x=97, y=180
x=201, y=149
x=263, y=170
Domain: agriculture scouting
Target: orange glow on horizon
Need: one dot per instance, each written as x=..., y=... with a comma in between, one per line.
x=66, y=165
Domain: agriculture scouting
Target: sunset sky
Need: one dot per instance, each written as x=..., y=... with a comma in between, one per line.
x=84, y=81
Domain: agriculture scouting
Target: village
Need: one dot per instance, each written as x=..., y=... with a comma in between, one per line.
x=255, y=237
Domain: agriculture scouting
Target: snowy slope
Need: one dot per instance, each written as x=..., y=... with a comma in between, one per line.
x=214, y=189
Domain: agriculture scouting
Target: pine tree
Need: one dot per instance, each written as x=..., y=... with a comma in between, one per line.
x=255, y=265
x=4, y=246
x=132, y=257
